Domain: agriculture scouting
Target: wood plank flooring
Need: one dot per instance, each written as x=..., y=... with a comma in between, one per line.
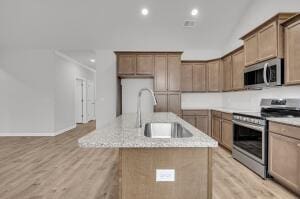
x=55, y=167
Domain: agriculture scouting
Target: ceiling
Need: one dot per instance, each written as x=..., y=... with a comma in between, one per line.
x=82, y=56
x=118, y=24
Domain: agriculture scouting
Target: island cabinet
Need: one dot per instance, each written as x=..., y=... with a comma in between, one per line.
x=214, y=76
x=238, y=66
x=284, y=155
x=222, y=129
x=165, y=173
x=227, y=73
x=193, y=76
x=197, y=118
x=265, y=41
x=292, y=50
x=168, y=102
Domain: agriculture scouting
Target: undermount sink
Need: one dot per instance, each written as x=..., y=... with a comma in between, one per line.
x=166, y=130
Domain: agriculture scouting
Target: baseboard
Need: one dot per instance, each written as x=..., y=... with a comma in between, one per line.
x=45, y=134
x=64, y=130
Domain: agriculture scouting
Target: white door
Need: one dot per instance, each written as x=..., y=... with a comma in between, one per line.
x=90, y=101
x=79, y=101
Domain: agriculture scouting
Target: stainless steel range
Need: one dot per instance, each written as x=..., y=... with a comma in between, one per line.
x=250, y=132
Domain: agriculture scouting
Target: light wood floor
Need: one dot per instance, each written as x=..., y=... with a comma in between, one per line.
x=55, y=167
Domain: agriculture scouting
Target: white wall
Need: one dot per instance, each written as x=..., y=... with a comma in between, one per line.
x=201, y=100
x=66, y=73
x=130, y=89
x=27, y=92
x=106, y=100
x=258, y=12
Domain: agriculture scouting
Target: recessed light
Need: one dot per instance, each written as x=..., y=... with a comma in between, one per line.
x=92, y=60
x=194, y=12
x=145, y=11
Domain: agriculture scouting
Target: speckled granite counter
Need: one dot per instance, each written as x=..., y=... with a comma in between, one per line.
x=121, y=133
x=288, y=121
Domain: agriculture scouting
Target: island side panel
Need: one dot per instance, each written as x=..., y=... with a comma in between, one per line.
x=192, y=173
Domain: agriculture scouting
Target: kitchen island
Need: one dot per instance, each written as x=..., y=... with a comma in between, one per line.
x=157, y=168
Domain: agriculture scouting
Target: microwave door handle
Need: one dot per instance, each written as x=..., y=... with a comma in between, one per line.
x=265, y=74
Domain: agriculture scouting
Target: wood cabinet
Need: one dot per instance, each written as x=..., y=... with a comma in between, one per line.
x=174, y=72
x=292, y=51
x=193, y=77
x=238, y=66
x=197, y=118
x=144, y=64
x=227, y=134
x=284, y=155
x=265, y=41
x=126, y=64
x=187, y=78
x=214, y=76
x=227, y=73
x=216, y=128
x=161, y=72
x=168, y=102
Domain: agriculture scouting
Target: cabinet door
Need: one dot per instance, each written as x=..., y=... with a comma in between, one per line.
x=227, y=73
x=251, y=49
x=238, y=65
x=213, y=70
x=267, y=42
x=145, y=64
x=174, y=72
x=216, y=128
x=162, y=103
x=187, y=77
x=292, y=53
x=174, y=103
x=190, y=119
x=126, y=64
x=202, y=123
x=284, y=160
x=226, y=135
x=160, y=72
x=199, y=77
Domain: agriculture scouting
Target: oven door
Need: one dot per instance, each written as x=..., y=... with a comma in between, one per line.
x=265, y=74
x=250, y=140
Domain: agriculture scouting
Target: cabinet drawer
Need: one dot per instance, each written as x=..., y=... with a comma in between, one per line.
x=227, y=116
x=195, y=112
x=216, y=114
x=283, y=129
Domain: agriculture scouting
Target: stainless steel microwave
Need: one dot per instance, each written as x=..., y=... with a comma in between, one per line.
x=265, y=74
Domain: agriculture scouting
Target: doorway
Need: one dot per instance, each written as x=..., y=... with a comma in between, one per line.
x=90, y=101
x=80, y=101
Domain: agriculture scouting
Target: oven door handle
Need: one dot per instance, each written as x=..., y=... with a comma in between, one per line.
x=250, y=126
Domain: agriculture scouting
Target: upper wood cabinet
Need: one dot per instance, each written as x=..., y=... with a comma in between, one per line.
x=265, y=41
x=284, y=155
x=161, y=72
x=238, y=66
x=187, y=77
x=126, y=64
x=144, y=64
x=214, y=76
x=193, y=77
x=292, y=50
x=227, y=73
x=174, y=72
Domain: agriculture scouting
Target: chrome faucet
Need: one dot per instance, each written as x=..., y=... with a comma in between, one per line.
x=139, y=114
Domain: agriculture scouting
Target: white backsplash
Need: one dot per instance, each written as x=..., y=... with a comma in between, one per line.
x=246, y=100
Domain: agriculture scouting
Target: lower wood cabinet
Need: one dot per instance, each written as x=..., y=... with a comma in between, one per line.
x=284, y=155
x=222, y=129
x=197, y=118
x=168, y=102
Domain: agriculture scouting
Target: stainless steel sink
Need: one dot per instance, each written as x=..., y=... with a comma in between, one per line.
x=166, y=130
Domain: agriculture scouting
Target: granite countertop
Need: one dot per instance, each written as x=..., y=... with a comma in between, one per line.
x=289, y=121
x=122, y=133
x=221, y=109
